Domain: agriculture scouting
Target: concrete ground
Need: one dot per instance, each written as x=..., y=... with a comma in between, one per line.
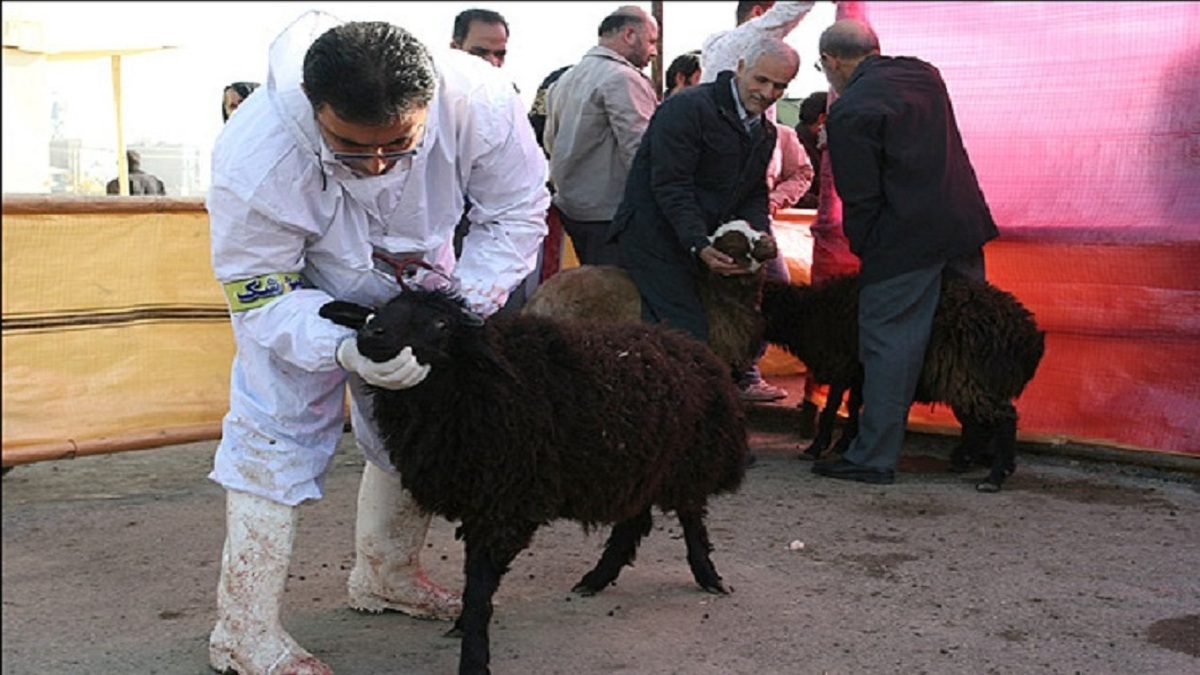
x=1078, y=566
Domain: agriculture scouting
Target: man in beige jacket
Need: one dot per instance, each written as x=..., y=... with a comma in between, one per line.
x=595, y=116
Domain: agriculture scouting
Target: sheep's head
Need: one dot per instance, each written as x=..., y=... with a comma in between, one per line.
x=749, y=247
x=422, y=319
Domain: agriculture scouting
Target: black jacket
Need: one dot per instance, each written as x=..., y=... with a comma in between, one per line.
x=140, y=183
x=696, y=168
x=910, y=198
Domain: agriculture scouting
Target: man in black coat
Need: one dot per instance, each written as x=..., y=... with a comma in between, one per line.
x=912, y=211
x=140, y=182
x=701, y=163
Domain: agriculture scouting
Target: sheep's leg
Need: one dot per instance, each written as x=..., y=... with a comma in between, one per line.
x=484, y=566
x=619, y=551
x=826, y=422
x=1005, y=461
x=699, y=550
x=850, y=431
x=972, y=444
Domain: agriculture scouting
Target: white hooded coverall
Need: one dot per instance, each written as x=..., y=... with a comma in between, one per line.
x=292, y=228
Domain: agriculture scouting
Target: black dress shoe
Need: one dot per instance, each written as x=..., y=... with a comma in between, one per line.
x=843, y=469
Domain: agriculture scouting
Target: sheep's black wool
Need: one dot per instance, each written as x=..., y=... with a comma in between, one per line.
x=523, y=420
x=984, y=348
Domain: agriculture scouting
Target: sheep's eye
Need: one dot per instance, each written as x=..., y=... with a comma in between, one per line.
x=441, y=324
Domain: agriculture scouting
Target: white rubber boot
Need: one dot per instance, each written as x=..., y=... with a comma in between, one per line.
x=388, y=536
x=248, y=638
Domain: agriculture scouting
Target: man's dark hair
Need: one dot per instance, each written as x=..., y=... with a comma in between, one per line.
x=243, y=89
x=537, y=112
x=812, y=107
x=614, y=23
x=462, y=22
x=744, y=9
x=685, y=64
x=369, y=72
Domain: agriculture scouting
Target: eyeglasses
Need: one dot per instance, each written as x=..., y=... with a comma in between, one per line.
x=360, y=159
x=817, y=64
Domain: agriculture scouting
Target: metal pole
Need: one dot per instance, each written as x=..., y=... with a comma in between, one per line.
x=122, y=164
x=656, y=68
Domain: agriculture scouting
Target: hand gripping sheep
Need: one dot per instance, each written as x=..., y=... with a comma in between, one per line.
x=984, y=348
x=523, y=420
x=607, y=293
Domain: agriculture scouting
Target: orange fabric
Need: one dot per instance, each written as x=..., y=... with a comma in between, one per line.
x=552, y=245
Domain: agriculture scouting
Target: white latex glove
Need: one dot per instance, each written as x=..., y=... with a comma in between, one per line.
x=401, y=372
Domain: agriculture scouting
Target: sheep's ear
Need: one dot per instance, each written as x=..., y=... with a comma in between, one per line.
x=471, y=318
x=346, y=314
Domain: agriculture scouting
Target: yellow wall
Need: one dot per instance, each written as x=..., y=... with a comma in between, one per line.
x=115, y=333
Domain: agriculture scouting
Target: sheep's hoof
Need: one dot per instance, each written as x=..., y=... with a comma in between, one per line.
x=987, y=486
x=585, y=590
x=716, y=589
x=814, y=451
x=959, y=465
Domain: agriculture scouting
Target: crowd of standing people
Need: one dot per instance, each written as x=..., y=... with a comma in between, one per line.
x=366, y=146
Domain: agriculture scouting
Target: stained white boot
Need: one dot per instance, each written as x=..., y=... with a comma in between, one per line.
x=248, y=638
x=389, y=534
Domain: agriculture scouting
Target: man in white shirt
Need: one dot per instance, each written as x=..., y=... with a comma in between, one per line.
x=756, y=21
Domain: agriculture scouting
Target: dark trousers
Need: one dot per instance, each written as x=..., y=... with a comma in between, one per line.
x=665, y=278
x=590, y=239
x=895, y=317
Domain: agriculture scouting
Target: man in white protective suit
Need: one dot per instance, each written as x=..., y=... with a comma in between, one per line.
x=364, y=144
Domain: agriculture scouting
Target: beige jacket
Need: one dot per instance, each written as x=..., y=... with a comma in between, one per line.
x=596, y=114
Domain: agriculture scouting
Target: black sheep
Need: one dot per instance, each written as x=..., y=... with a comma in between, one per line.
x=984, y=348
x=523, y=420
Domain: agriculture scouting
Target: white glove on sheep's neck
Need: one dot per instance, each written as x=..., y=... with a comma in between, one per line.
x=401, y=372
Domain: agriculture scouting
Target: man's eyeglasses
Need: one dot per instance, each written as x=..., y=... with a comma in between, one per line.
x=361, y=157
x=818, y=63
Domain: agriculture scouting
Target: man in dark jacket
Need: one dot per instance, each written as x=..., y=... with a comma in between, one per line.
x=912, y=211
x=140, y=182
x=701, y=163
x=808, y=129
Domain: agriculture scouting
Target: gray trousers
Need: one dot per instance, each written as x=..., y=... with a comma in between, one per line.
x=895, y=318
